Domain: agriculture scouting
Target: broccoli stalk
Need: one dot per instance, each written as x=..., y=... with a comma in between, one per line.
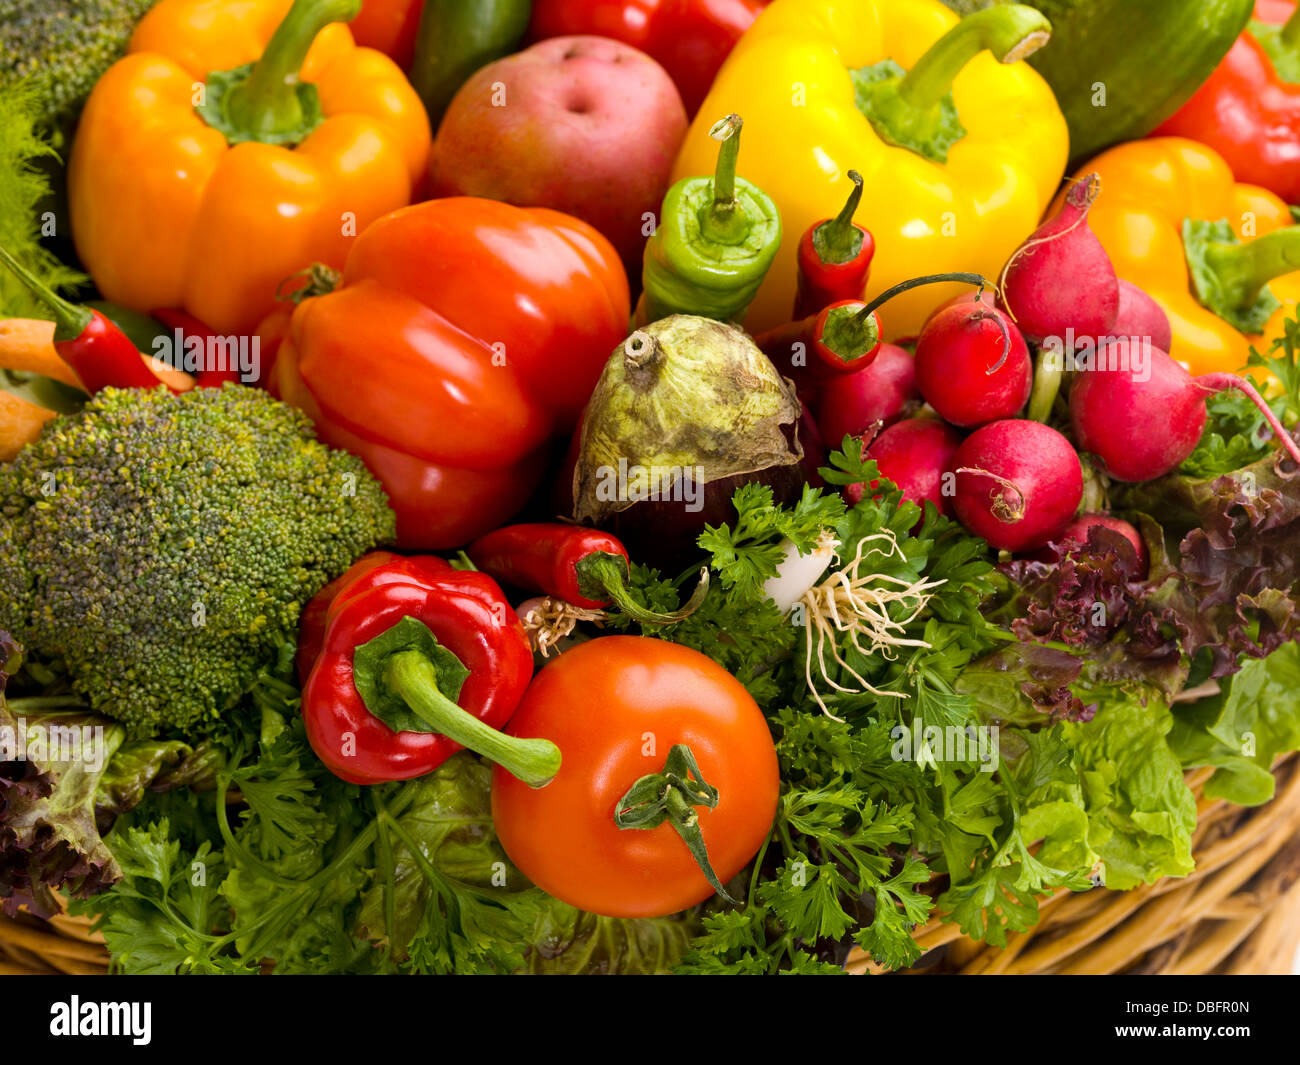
x=159, y=547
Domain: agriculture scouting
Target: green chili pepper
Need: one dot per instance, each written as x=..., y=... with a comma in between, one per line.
x=715, y=241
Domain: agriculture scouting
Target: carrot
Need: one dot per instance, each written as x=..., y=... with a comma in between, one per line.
x=20, y=424
x=27, y=344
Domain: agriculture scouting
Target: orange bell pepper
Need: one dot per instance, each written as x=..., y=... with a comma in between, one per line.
x=1163, y=196
x=199, y=181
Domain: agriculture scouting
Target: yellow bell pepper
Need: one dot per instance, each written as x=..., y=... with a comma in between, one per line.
x=818, y=84
x=234, y=145
x=1149, y=190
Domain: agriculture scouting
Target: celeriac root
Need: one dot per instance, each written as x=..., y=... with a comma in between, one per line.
x=852, y=602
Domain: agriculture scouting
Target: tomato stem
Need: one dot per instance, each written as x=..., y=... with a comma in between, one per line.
x=671, y=795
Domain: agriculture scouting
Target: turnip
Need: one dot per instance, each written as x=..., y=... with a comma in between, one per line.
x=1018, y=484
x=972, y=365
x=850, y=405
x=915, y=454
x=1143, y=416
x=1061, y=277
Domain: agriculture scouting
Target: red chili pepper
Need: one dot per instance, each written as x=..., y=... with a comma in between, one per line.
x=834, y=258
x=415, y=667
x=1248, y=110
x=585, y=567
x=97, y=351
x=188, y=325
x=836, y=340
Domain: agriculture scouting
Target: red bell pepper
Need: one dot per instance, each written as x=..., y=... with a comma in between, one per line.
x=834, y=258
x=415, y=666
x=1249, y=109
x=464, y=334
x=690, y=39
x=584, y=567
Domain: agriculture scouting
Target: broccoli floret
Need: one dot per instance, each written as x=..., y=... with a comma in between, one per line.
x=167, y=543
x=64, y=47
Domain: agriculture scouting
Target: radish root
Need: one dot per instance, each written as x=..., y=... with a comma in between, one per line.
x=851, y=601
x=552, y=620
x=1001, y=509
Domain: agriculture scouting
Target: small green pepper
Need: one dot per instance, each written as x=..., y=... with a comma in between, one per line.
x=715, y=241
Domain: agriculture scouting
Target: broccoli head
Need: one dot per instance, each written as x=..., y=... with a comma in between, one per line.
x=159, y=547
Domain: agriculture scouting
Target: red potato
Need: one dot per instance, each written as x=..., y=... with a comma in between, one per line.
x=972, y=365
x=584, y=125
x=1061, y=278
x=1018, y=484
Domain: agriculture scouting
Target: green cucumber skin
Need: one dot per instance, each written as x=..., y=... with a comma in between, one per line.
x=456, y=38
x=1150, y=56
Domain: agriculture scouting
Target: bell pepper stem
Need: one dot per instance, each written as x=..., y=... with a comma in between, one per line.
x=1010, y=32
x=267, y=102
x=722, y=223
x=412, y=676
x=604, y=576
x=1244, y=269
x=69, y=320
x=671, y=795
x=839, y=240
x=1289, y=34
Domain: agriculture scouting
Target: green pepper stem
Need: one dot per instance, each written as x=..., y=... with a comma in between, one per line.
x=848, y=335
x=604, y=576
x=267, y=102
x=722, y=222
x=70, y=321
x=839, y=240
x=1010, y=32
x=412, y=676
x=1289, y=34
x=1244, y=269
x=671, y=795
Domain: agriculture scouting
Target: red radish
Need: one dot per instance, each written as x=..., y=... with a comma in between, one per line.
x=1075, y=536
x=851, y=404
x=972, y=365
x=985, y=296
x=1143, y=416
x=1061, y=277
x=1138, y=316
x=915, y=454
x=1018, y=484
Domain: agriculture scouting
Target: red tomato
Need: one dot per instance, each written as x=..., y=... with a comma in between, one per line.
x=616, y=706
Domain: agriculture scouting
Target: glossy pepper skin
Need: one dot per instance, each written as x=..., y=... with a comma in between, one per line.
x=834, y=258
x=815, y=350
x=169, y=211
x=463, y=335
x=388, y=26
x=1148, y=188
x=690, y=39
x=790, y=76
x=468, y=615
x=1248, y=110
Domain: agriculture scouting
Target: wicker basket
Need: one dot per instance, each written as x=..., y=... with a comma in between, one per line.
x=1239, y=912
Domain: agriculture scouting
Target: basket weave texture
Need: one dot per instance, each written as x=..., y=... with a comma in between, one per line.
x=1238, y=913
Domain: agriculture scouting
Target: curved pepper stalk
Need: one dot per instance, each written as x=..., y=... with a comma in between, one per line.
x=411, y=682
